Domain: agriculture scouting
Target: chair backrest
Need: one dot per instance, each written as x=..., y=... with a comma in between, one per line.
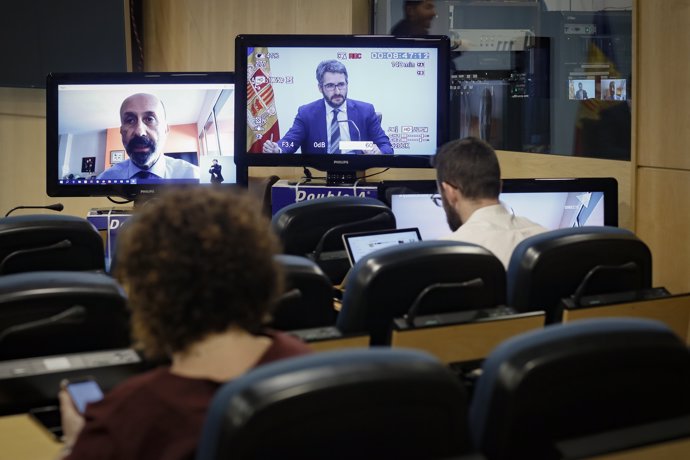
x=426, y=277
x=550, y=266
x=571, y=380
x=308, y=298
x=260, y=188
x=345, y=404
x=49, y=242
x=315, y=228
x=50, y=313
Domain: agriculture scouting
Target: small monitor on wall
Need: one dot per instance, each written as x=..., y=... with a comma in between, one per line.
x=124, y=134
x=390, y=96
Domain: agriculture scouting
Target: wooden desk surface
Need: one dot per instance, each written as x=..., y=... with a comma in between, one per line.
x=22, y=439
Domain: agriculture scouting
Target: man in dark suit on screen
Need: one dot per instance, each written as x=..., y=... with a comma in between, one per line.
x=322, y=125
x=581, y=92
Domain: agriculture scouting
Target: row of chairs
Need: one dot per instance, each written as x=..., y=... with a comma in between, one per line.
x=411, y=281
x=640, y=365
x=566, y=391
x=435, y=277
x=572, y=373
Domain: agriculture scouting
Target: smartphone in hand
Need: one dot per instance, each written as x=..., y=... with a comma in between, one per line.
x=83, y=390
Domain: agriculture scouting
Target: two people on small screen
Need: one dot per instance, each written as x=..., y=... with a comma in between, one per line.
x=327, y=124
x=144, y=130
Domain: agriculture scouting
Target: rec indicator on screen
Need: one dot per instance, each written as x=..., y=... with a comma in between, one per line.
x=344, y=56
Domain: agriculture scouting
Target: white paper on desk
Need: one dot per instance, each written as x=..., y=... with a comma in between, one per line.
x=55, y=364
x=355, y=145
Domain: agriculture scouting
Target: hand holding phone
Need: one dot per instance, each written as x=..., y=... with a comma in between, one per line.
x=83, y=391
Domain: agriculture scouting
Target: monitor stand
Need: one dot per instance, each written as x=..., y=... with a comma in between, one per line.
x=343, y=177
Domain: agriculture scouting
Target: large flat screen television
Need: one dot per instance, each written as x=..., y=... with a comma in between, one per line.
x=552, y=203
x=391, y=96
x=127, y=134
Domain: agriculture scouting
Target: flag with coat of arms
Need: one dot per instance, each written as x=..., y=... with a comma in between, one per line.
x=262, y=118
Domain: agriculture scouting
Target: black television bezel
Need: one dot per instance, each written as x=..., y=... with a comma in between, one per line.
x=608, y=185
x=126, y=191
x=331, y=162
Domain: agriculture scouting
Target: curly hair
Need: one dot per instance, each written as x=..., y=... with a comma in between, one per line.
x=194, y=262
x=471, y=165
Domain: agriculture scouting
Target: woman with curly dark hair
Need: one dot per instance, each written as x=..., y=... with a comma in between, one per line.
x=198, y=268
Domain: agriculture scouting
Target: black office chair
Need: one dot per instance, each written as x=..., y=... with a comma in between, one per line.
x=260, y=188
x=578, y=261
x=308, y=298
x=359, y=403
x=417, y=279
x=60, y=312
x=542, y=391
x=48, y=242
x=314, y=228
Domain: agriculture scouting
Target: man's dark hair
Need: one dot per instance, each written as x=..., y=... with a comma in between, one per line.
x=332, y=66
x=471, y=165
x=194, y=262
x=409, y=4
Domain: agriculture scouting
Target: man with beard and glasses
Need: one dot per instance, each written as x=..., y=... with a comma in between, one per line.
x=469, y=181
x=320, y=126
x=144, y=129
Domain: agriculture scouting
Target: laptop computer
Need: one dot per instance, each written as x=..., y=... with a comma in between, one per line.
x=357, y=245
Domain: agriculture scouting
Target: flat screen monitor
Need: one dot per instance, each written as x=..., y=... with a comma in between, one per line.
x=552, y=203
x=126, y=134
x=391, y=96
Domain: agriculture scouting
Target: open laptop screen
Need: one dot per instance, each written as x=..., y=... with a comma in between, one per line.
x=357, y=245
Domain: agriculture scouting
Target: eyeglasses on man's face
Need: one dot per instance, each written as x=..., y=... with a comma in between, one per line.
x=437, y=199
x=331, y=86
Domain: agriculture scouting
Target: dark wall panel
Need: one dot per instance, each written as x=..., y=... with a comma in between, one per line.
x=41, y=36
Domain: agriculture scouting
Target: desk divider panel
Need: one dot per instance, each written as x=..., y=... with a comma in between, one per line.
x=453, y=343
x=361, y=341
x=329, y=338
x=673, y=310
x=22, y=437
x=677, y=448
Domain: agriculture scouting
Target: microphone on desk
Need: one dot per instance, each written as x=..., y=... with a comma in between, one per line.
x=73, y=315
x=53, y=207
x=359, y=135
